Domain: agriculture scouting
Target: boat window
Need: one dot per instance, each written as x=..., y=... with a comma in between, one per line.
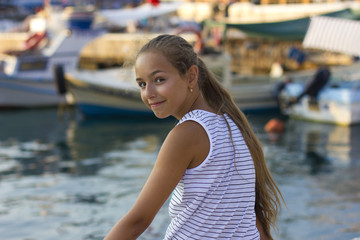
x=30, y=66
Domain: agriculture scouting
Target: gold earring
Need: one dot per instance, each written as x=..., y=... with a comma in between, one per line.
x=191, y=90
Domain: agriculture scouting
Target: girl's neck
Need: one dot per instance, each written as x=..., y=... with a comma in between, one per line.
x=200, y=103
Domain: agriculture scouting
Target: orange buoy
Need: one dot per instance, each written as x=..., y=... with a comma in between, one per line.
x=275, y=126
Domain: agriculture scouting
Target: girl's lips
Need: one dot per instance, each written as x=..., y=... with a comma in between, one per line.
x=156, y=104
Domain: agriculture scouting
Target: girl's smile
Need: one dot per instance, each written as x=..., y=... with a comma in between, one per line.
x=156, y=104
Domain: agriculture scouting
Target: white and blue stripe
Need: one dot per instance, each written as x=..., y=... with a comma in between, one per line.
x=216, y=199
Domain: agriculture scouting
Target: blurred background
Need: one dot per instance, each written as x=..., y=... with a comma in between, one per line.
x=77, y=143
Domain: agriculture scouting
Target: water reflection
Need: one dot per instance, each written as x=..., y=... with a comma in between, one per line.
x=317, y=168
x=325, y=146
x=90, y=141
x=35, y=142
x=28, y=142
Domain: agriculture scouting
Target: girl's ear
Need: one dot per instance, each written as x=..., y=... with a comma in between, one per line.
x=193, y=75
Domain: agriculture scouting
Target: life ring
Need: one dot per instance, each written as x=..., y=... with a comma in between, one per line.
x=60, y=81
x=192, y=28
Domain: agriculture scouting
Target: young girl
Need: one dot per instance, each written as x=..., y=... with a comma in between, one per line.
x=211, y=160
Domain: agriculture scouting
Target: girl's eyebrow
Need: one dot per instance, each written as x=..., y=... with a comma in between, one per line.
x=150, y=75
x=153, y=73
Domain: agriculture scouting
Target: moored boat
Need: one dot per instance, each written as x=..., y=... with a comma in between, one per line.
x=328, y=99
x=337, y=103
x=26, y=75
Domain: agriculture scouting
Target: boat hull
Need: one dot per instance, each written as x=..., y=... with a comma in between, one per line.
x=92, y=102
x=28, y=94
x=94, y=99
x=254, y=97
x=328, y=112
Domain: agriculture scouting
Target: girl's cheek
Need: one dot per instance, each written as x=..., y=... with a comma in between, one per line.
x=145, y=101
x=142, y=97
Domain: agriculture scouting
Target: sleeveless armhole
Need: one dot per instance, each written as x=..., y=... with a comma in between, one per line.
x=203, y=125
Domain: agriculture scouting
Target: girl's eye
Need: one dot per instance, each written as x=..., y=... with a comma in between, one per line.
x=159, y=80
x=142, y=84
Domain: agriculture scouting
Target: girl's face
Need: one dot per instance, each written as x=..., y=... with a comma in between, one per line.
x=163, y=89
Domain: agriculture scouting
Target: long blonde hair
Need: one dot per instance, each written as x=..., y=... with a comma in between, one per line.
x=182, y=56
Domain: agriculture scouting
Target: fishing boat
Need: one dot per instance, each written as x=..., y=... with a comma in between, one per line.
x=325, y=98
x=26, y=75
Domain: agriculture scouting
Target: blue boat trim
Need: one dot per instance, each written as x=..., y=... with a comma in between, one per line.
x=4, y=77
x=260, y=110
x=96, y=110
x=28, y=89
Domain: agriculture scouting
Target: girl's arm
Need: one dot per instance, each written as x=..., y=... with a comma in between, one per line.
x=186, y=143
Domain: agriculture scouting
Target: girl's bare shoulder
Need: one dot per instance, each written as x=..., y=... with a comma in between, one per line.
x=190, y=131
x=191, y=140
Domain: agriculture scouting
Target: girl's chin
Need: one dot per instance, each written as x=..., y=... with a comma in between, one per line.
x=161, y=116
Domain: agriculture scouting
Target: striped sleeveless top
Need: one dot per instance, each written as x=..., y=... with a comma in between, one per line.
x=216, y=200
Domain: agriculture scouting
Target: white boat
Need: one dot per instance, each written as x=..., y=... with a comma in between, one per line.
x=337, y=103
x=55, y=36
x=26, y=75
x=338, y=100
x=27, y=80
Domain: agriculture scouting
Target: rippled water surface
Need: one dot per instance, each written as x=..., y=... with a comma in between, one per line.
x=73, y=178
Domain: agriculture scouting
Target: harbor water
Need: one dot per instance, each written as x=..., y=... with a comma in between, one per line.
x=72, y=178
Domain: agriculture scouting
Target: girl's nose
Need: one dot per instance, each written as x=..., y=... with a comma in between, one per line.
x=149, y=91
